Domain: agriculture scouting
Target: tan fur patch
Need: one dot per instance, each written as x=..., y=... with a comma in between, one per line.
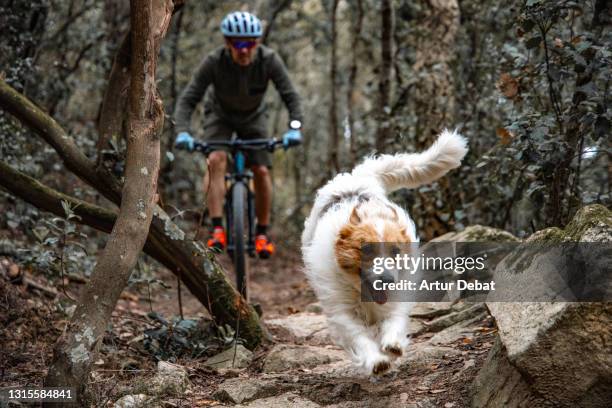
x=357, y=232
x=393, y=233
x=348, y=245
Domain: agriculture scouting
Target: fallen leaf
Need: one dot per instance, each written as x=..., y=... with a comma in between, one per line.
x=504, y=135
x=508, y=86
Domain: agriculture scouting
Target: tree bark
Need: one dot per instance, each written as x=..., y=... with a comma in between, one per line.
x=350, y=97
x=334, y=136
x=383, y=136
x=278, y=6
x=434, y=101
x=435, y=48
x=112, y=113
x=75, y=350
x=197, y=267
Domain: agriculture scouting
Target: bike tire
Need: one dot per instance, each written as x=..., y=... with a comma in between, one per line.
x=239, y=196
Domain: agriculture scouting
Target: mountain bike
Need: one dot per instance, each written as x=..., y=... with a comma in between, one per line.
x=239, y=201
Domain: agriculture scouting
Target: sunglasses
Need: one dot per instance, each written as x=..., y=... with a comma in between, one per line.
x=240, y=45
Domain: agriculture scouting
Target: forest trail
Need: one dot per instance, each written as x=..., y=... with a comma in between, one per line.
x=300, y=367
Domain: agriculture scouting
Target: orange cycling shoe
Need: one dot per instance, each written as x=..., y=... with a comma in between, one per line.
x=263, y=247
x=218, y=240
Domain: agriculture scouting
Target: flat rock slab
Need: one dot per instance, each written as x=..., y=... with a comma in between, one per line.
x=240, y=390
x=170, y=379
x=288, y=399
x=290, y=357
x=304, y=326
x=238, y=357
x=135, y=401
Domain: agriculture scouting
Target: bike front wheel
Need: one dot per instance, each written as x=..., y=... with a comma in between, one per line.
x=239, y=197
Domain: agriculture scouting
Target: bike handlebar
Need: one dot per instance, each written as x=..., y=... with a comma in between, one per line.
x=237, y=144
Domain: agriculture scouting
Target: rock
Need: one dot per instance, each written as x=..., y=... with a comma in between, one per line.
x=290, y=357
x=171, y=379
x=331, y=392
x=469, y=313
x=282, y=401
x=498, y=380
x=134, y=401
x=305, y=326
x=314, y=308
x=477, y=233
x=430, y=310
x=422, y=355
x=239, y=390
x=556, y=352
x=234, y=357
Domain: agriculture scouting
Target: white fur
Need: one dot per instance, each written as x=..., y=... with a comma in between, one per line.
x=365, y=329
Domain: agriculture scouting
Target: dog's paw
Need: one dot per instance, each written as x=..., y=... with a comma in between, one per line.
x=394, y=347
x=381, y=367
x=378, y=365
x=394, y=350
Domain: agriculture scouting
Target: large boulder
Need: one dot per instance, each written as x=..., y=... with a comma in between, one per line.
x=552, y=353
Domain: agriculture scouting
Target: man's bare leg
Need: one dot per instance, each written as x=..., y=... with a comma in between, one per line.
x=263, y=193
x=214, y=183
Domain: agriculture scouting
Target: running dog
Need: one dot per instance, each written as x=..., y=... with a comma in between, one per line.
x=353, y=209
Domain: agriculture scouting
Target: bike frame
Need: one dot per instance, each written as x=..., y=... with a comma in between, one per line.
x=239, y=179
x=240, y=175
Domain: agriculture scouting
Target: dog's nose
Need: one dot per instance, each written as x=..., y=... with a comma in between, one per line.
x=388, y=276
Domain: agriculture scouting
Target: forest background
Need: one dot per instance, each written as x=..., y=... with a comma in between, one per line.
x=527, y=82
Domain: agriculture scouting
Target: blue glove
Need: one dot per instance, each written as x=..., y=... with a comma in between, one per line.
x=292, y=138
x=184, y=141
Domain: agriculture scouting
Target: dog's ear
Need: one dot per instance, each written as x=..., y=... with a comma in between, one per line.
x=395, y=215
x=355, y=219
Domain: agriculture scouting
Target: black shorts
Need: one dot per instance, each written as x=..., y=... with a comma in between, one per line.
x=216, y=128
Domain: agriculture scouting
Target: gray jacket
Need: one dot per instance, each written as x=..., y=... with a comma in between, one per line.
x=237, y=92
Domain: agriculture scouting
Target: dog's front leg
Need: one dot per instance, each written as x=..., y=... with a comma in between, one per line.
x=394, y=332
x=356, y=339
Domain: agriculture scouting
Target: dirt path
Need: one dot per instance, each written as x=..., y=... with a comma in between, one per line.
x=301, y=367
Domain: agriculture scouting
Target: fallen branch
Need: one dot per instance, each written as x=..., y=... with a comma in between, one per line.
x=167, y=243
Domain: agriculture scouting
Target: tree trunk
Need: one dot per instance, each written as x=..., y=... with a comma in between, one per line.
x=334, y=137
x=434, y=101
x=112, y=113
x=435, y=49
x=276, y=7
x=383, y=136
x=350, y=96
x=75, y=350
x=196, y=266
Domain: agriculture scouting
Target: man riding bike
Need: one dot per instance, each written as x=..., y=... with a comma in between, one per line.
x=239, y=73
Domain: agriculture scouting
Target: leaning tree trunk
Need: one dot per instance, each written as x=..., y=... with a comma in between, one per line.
x=434, y=102
x=75, y=349
x=383, y=135
x=168, y=244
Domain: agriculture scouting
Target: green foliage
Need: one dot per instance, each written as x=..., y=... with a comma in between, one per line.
x=557, y=81
x=170, y=340
x=57, y=250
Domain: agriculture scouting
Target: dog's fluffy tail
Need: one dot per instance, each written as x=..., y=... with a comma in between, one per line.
x=411, y=170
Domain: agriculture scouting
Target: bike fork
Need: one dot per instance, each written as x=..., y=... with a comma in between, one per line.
x=251, y=219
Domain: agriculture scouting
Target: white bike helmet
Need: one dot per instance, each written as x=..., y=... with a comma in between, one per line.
x=241, y=24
